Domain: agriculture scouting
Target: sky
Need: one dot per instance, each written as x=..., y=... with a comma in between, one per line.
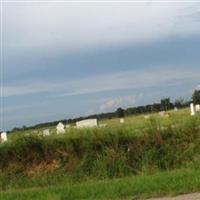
x=64, y=59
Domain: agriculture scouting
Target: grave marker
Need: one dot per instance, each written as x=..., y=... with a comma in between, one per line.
x=87, y=123
x=4, y=137
x=197, y=108
x=46, y=132
x=175, y=109
x=67, y=126
x=163, y=114
x=147, y=116
x=192, y=109
x=60, y=128
x=121, y=120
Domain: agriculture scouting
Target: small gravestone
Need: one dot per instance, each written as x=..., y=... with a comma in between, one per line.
x=147, y=116
x=4, y=137
x=35, y=132
x=163, y=114
x=197, y=108
x=60, y=128
x=175, y=109
x=121, y=120
x=192, y=109
x=67, y=126
x=46, y=132
x=87, y=123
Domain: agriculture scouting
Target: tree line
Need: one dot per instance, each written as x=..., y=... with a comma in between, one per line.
x=164, y=105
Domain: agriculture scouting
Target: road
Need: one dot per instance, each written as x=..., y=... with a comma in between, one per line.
x=194, y=196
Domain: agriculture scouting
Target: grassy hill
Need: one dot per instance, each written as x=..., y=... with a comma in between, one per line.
x=141, y=158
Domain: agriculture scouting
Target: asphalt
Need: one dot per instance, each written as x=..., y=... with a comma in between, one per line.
x=194, y=196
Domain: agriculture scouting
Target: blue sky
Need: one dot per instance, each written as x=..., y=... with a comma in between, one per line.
x=63, y=60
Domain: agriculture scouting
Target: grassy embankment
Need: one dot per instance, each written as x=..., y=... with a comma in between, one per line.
x=140, y=158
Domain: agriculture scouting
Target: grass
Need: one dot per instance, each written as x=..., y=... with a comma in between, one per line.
x=136, y=187
x=140, y=158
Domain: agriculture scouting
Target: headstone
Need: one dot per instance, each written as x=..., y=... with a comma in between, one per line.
x=197, y=108
x=67, y=126
x=60, y=128
x=46, y=132
x=87, y=123
x=35, y=131
x=163, y=114
x=121, y=120
x=192, y=109
x=146, y=116
x=4, y=137
x=175, y=109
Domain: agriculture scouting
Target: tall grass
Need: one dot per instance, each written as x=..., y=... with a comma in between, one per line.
x=111, y=152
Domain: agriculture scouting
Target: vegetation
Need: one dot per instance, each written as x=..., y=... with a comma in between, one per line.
x=129, y=188
x=165, y=104
x=196, y=97
x=148, y=151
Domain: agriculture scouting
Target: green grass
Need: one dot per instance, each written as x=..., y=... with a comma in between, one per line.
x=140, y=158
x=137, y=187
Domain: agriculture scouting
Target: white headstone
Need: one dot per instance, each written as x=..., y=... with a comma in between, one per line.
x=60, y=128
x=175, y=109
x=4, y=137
x=147, y=116
x=35, y=131
x=87, y=123
x=163, y=114
x=197, y=108
x=121, y=120
x=67, y=126
x=192, y=109
x=46, y=132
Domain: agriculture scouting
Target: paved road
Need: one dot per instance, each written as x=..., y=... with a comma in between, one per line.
x=194, y=196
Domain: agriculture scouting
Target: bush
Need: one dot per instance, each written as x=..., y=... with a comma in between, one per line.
x=102, y=153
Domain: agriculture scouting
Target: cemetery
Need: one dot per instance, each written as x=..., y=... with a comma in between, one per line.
x=93, y=123
x=160, y=145
x=119, y=147
x=100, y=100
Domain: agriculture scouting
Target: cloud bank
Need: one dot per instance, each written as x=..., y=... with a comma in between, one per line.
x=131, y=79
x=77, y=26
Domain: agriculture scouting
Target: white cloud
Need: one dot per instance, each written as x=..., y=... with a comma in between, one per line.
x=198, y=87
x=16, y=90
x=114, y=103
x=132, y=79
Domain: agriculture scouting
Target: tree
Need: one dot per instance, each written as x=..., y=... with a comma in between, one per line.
x=179, y=103
x=196, y=97
x=120, y=112
x=166, y=104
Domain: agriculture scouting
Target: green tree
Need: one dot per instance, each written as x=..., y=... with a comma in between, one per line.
x=179, y=103
x=165, y=103
x=196, y=97
x=120, y=112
